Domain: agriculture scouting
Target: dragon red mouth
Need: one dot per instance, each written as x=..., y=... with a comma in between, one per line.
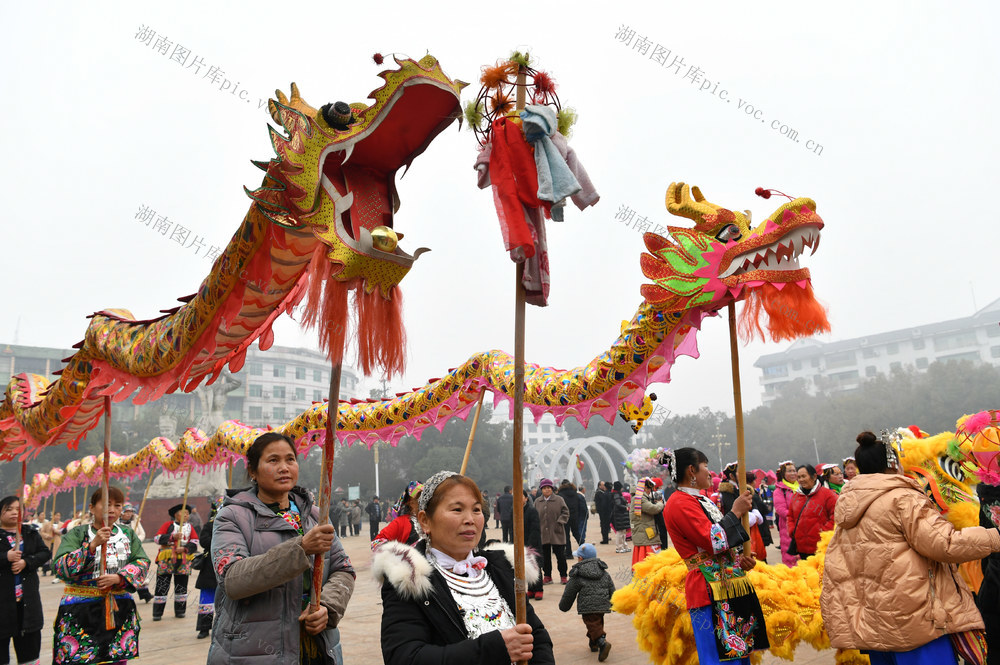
x=359, y=174
x=775, y=261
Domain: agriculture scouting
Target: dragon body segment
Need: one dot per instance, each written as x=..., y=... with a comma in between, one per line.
x=304, y=213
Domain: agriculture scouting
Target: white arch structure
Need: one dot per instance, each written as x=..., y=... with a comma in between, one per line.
x=557, y=459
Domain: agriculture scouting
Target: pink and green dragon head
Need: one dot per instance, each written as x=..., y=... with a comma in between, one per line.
x=722, y=259
x=335, y=168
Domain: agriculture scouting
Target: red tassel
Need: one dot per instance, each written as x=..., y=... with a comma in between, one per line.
x=378, y=58
x=792, y=312
x=381, y=334
x=326, y=307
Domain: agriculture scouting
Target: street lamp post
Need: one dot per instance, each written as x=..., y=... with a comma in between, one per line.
x=720, y=443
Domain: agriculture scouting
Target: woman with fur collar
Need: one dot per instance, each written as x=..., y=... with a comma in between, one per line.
x=443, y=605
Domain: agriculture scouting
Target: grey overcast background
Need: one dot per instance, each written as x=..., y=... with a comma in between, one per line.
x=902, y=97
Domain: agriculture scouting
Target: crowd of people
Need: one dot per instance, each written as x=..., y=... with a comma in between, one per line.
x=448, y=595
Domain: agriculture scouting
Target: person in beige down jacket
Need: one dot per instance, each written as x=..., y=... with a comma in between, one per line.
x=890, y=582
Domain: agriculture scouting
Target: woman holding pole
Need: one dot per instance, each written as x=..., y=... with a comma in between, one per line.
x=725, y=614
x=444, y=605
x=20, y=601
x=84, y=630
x=263, y=546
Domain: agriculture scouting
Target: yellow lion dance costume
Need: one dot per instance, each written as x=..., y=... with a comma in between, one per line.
x=788, y=596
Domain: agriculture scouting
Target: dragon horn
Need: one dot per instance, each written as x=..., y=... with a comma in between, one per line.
x=686, y=201
x=296, y=97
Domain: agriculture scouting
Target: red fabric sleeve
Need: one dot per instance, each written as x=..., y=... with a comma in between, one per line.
x=829, y=503
x=162, y=536
x=793, y=514
x=398, y=530
x=515, y=182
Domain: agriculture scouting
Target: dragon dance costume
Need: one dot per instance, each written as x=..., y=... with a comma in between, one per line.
x=725, y=614
x=170, y=563
x=81, y=632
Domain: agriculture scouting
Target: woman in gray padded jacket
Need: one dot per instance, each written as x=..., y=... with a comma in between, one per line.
x=263, y=546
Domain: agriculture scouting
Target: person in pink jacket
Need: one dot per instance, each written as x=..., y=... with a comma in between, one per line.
x=784, y=490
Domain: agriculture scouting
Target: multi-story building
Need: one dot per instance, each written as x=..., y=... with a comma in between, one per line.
x=276, y=385
x=283, y=381
x=842, y=366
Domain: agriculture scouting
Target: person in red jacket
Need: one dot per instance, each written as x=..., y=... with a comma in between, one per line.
x=404, y=527
x=810, y=512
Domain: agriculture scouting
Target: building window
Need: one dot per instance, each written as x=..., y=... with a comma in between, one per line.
x=814, y=362
x=871, y=371
x=796, y=365
x=256, y=414
x=922, y=363
x=300, y=393
x=995, y=351
x=892, y=348
x=279, y=371
x=845, y=377
x=776, y=370
x=317, y=395
x=919, y=344
x=895, y=367
x=969, y=355
x=317, y=375
x=842, y=359
x=278, y=392
x=993, y=330
x=256, y=390
x=256, y=369
x=278, y=414
x=955, y=340
x=300, y=373
x=869, y=353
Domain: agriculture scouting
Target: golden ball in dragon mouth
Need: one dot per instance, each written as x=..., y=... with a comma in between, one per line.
x=384, y=239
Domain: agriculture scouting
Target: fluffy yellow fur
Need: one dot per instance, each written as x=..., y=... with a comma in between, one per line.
x=789, y=597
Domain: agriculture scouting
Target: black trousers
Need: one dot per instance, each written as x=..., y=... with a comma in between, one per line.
x=560, y=552
x=372, y=529
x=536, y=586
x=507, y=529
x=26, y=646
x=605, y=526
x=163, y=588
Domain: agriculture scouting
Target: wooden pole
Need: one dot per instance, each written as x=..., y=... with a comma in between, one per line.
x=472, y=434
x=72, y=512
x=520, y=587
x=741, y=459
x=229, y=480
x=326, y=477
x=142, y=504
x=20, y=503
x=109, y=621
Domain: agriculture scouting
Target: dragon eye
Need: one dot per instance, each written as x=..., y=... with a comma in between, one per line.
x=952, y=468
x=728, y=233
x=337, y=115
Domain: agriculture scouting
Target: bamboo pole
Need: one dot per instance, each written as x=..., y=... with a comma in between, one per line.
x=20, y=503
x=109, y=621
x=520, y=588
x=741, y=459
x=326, y=476
x=72, y=512
x=472, y=434
x=142, y=504
x=229, y=479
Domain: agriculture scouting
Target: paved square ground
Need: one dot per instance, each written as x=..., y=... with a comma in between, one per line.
x=172, y=641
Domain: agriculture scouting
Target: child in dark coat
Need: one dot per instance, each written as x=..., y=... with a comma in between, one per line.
x=591, y=587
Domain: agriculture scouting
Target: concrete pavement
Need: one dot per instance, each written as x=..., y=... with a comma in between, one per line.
x=172, y=641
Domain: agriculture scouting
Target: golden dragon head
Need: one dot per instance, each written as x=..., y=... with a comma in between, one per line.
x=722, y=259
x=335, y=168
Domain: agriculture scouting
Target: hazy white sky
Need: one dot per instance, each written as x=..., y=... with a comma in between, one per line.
x=901, y=97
